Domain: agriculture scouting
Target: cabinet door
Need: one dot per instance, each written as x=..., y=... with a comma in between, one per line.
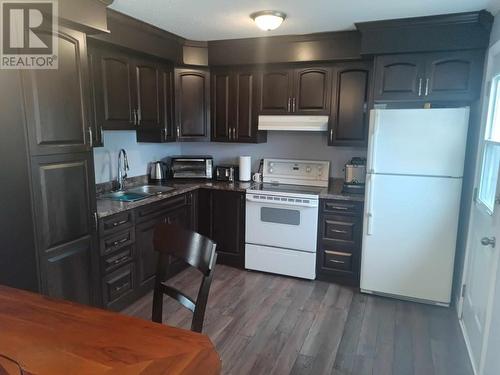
x=349, y=109
x=228, y=226
x=163, y=129
x=115, y=104
x=223, y=106
x=276, y=91
x=56, y=101
x=246, y=102
x=147, y=256
x=64, y=203
x=147, y=75
x=399, y=77
x=453, y=76
x=312, y=88
x=192, y=103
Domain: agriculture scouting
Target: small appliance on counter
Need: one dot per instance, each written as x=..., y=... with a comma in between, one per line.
x=355, y=176
x=228, y=173
x=192, y=167
x=245, y=168
x=157, y=172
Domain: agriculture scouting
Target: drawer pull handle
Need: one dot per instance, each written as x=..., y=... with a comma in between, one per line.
x=121, y=287
x=119, y=242
x=336, y=261
x=338, y=231
x=117, y=261
x=115, y=224
x=339, y=208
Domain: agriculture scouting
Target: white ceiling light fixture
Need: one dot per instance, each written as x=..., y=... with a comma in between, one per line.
x=268, y=20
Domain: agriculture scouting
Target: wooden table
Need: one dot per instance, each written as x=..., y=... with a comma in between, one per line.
x=51, y=337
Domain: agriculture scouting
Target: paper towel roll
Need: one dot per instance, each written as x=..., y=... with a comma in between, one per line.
x=245, y=168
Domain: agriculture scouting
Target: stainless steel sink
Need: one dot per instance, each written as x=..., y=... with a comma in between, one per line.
x=137, y=193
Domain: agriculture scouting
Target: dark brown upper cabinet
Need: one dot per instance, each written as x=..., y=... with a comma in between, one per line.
x=454, y=76
x=349, y=106
x=155, y=102
x=312, y=91
x=51, y=131
x=192, y=104
x=399, y=77
x=276, y=86
x=442, y=76
x=295, y=91
x=114, y=93
x=132, y=93
x=234, y=106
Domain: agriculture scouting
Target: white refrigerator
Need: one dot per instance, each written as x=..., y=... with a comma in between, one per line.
x=413, y=187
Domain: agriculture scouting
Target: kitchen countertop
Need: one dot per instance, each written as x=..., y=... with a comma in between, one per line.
x=334, y=191
x=108, y=207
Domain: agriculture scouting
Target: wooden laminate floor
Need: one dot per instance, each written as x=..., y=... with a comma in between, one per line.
x=268, y=324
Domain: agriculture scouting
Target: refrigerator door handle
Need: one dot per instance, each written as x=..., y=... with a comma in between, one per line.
x=373, y=142
x=369, y=205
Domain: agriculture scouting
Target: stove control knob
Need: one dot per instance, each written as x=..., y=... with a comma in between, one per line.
x=308, y=169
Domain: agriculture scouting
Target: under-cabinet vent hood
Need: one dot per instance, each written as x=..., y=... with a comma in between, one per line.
x=294, y=123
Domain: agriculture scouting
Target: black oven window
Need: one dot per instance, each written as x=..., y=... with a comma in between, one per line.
x=280, y=216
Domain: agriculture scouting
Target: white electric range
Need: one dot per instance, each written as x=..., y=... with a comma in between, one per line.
x=282, y=217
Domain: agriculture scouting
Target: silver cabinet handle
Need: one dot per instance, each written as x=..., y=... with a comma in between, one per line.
x=485, y=241
x=101, y=134
x=427, y=87
x=230, y=134
x=234, y=134
x=289, y=104
x=338, y=231
x=134, y=116
x=178, y=131
x=96, y=221
x=139, y=116
x=91, y=137
x=331, y=135
x=420, y=87
x=294, y=102
x=165, y=133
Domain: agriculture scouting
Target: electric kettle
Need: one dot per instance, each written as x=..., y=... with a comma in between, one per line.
x=157, y=171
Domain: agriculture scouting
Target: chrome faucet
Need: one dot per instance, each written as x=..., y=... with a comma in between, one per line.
x=122, y=169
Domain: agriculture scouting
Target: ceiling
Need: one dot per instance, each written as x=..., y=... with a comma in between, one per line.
x=229, y=19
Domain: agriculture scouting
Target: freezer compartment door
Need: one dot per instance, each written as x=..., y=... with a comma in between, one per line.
x=427, y=142
x=280, y=261
x=409, y=236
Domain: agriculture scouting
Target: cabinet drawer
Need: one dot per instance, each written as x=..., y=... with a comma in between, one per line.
x=335, y=229
x=147, y=212
x=116, y=222
x=337, y=260
x=341, y=207
x=114, y=242
x=118, y=284
x=118, y=258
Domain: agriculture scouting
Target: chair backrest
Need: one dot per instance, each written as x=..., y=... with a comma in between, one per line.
x=195, y=249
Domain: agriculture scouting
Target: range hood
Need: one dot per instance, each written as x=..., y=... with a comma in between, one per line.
x=294, y=123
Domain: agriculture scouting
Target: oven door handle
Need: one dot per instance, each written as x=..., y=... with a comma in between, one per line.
x=312, y=203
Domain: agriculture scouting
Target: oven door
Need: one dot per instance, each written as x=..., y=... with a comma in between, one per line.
x=282, y=224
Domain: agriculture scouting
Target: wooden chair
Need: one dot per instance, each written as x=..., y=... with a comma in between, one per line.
x=171, y=240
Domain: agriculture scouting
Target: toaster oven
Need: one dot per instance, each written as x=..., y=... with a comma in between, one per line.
x=191, y=167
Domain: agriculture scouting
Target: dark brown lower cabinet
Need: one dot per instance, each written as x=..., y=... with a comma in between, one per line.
x=64, y=204
x=128, y=260
x=338, y=256
x=221, y=217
